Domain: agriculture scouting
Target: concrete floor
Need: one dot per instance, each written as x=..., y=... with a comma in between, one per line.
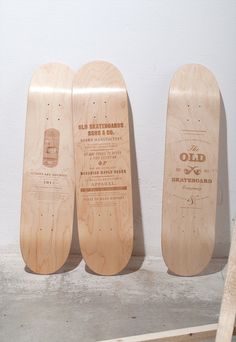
x=76, y=305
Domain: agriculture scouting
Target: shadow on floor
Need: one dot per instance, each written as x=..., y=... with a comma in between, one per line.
x=214, y=266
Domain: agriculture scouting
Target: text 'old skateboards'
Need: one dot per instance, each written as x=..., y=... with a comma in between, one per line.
x=103, y=172
x=190, y=177
x=48, y=179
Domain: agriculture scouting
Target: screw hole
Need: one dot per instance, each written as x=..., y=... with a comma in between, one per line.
x=187, y=120
x=51, y=230
x=105, y=101
x=94, y=116
x=58, y=119
x=48, y=104
x=188, y=105
x=47, y=118
x=59, y=105
x=199, y=120
x=94, y=102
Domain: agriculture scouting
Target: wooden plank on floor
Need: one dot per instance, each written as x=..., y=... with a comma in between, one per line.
x=228, y=305
x=199, y=333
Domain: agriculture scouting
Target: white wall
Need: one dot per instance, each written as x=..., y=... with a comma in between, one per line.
x=147, y=40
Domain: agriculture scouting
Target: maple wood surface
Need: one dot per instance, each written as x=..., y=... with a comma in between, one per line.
x=190, y=173
x=48, y=175
x=228, y=304
x=103, y=172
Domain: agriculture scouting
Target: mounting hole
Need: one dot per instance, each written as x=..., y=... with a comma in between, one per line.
x=105, y=101
x=59, y=105
x=188, y=105
x=52, y=215
x=94, y=102
x=48, y=104
x=199, y=120
x=41, y=214
x=58, y=119
x=94, y=116
x=199, y=106
x=46, y=118
x=41, y=229
x=187, y=120
x=52, y=230
x=105, y=116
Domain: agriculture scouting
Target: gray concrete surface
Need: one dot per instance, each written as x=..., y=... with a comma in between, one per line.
x=76, y=305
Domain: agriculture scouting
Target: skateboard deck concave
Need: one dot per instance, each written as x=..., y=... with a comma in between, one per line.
x=48, y=175
x=103, y=171
x=190, y=176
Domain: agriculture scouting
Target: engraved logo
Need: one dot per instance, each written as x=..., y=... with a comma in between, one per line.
x=51, y=147
x=191, y=156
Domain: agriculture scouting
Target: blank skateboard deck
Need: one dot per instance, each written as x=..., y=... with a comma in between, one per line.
x=228, y=304
x=190, y=176
x=103, y=172
x=48, y=175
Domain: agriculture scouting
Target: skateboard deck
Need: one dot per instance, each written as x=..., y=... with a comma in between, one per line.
x=190, y=175
x=228, y=304
x=103, y=170
x=48, y=174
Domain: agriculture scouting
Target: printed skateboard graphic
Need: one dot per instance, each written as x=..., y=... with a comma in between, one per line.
x=48, y=176
x=190, y=177
x=103, y=171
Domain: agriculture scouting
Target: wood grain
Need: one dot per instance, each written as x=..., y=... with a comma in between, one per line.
x=190, y=176
x=198, y=333
x=228, y=305
x=48, y=175
x=103, y=173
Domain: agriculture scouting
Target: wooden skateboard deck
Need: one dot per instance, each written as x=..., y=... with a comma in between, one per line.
x=190, y=176
x=48, y=175
x=228, y=304
x=103, y=171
